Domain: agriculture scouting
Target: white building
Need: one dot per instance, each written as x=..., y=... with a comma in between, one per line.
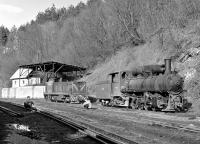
x=22, y=78
x=24, y=83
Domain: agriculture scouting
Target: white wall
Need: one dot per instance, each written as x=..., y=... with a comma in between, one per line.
x=23, y=92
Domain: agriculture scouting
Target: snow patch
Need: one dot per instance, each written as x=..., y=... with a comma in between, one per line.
x=20, y=127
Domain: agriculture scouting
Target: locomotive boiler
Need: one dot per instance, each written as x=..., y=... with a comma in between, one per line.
x=155, y=87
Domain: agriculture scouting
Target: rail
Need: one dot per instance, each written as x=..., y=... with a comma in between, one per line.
x=11, y=112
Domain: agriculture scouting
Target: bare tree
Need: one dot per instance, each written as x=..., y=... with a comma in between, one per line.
x=128, y=14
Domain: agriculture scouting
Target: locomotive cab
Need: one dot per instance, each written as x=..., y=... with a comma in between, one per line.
x=109, y=92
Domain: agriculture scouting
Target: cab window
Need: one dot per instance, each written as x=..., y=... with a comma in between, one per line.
x=115, y=77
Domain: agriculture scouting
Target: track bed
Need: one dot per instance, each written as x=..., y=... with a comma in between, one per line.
x=35, y=128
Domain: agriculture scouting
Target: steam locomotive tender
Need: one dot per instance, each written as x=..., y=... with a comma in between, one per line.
x=155, y=87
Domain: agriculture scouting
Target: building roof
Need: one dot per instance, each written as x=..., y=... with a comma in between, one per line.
x=21, y=73
x=53, y=67
x=39, y=74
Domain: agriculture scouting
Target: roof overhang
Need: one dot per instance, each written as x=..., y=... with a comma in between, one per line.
x=52, y=67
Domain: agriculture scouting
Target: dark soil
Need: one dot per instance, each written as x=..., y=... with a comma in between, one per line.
x=4, y=120
x=41, y=130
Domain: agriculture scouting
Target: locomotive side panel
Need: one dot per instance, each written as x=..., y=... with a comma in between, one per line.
x=103, y=90
x=115, y=89
x=66, y=91
x=49, y=87
x=79, y=88
x=62, y=87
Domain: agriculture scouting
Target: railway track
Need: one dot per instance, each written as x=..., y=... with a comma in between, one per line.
x=11, y=112
x=99, y=135
x=156, y=122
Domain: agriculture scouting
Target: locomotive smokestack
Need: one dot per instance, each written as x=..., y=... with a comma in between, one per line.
x=167, y=66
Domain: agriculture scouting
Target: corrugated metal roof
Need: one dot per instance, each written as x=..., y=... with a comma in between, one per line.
x=21, y=73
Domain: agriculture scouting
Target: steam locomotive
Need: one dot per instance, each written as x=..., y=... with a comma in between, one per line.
x=155, y=87
x=150, y=87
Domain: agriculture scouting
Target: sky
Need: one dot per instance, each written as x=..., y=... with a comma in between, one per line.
x=18, y=12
